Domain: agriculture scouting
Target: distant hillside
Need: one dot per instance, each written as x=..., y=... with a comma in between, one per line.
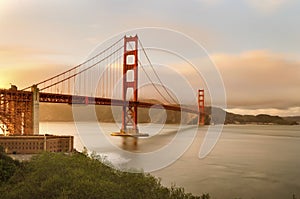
x=293, y=119
x=232, y=118
x=64, y=113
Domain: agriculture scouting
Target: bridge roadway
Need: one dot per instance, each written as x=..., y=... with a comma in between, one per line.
x=72, y=99
x=9, y=95
x=19, y=110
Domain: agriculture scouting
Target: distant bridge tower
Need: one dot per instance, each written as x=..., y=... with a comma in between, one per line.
x=201, y=116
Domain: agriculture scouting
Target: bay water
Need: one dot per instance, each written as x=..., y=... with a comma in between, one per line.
x=248, y=161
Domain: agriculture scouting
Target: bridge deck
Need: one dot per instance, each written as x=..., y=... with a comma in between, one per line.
x=16, y=107
x=71, y=99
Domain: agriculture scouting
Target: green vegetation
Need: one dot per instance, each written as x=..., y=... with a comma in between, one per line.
x=8, y=167
x=56, y=175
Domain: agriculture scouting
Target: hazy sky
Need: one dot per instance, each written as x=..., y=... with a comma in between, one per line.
x=254, y=43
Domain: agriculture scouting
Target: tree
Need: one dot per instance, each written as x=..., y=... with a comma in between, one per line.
x=8, y=166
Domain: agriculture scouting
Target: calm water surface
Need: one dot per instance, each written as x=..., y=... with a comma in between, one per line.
x=247, y=162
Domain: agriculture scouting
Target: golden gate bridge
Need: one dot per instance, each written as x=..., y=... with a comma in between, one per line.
x=119, y=66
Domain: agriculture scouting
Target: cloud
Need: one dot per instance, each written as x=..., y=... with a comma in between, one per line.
x=262, y=6
x=210, y=2
x=260, y=79
x=24, y=66
x=16, y=54
x=28, y=75
x=267, y=6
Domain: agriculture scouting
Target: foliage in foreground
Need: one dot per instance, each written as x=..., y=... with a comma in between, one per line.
x=8, y=166
x=52, y=175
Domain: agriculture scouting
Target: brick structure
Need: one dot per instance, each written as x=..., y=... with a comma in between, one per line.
x=36, y=143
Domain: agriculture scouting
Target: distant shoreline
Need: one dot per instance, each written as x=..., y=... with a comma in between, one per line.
x=63, y=113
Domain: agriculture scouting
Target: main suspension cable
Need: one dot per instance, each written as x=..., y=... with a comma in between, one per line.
x=75, y=74
x=147, y=75
x=77, y=66
x=147, y=57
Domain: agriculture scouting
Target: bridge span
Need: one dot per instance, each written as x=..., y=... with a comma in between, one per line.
x=19, y=109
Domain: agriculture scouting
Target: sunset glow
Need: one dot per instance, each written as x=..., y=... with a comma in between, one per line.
x=254, y=44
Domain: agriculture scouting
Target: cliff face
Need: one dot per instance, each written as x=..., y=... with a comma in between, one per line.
x=65, y=113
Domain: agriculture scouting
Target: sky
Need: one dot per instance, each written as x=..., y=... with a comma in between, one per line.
x=253, y=43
